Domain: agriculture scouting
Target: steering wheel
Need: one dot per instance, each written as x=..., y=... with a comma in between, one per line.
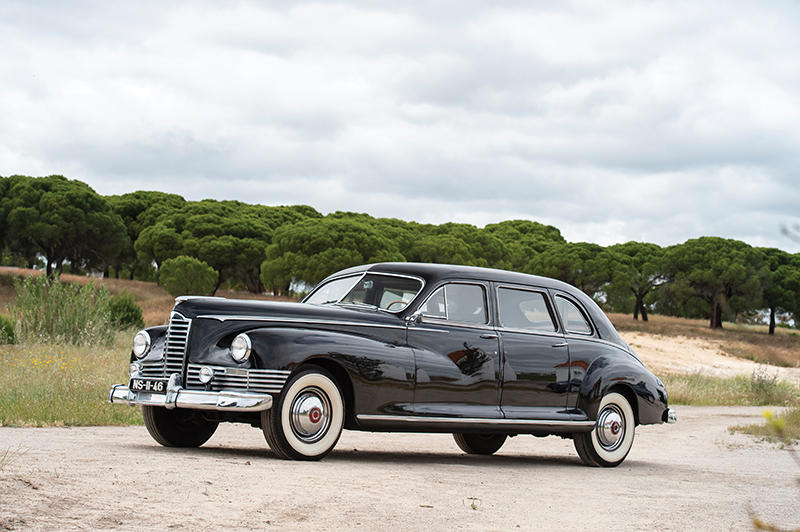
x=394, y=303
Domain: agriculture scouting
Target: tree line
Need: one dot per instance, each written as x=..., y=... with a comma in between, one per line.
x=57, y=223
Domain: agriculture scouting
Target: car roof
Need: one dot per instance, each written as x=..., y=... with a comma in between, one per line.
x=434, y=272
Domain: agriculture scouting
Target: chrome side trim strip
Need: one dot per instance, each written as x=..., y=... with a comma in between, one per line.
x=224, y=317
x=530, y=331
x=473, y=421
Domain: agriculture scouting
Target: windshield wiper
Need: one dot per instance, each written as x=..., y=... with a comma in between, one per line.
x=359, y=304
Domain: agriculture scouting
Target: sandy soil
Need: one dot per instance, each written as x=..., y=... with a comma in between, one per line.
x=679, y=354
x=692, y=475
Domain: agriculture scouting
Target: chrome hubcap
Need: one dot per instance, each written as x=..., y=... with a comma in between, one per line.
x=310, y=415
x=610, y=428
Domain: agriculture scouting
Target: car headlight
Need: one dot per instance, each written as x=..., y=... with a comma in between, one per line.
x=241, y=348
x=141, y=344
x=206, y=374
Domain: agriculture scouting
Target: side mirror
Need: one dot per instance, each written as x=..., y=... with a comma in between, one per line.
x=414, y=318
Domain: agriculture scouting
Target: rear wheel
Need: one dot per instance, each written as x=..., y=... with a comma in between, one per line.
x=178, y=427
x=307, y=420
x=479, y=443
x=611, y=440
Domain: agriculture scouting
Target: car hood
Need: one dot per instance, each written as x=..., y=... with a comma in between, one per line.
x=252, y=310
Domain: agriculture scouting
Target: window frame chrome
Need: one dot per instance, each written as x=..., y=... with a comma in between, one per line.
x=559, y=332
x=591, y=334
x=437, y=320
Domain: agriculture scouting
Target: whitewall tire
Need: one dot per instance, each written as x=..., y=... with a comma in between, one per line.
x=611, y=440
x=307, y=420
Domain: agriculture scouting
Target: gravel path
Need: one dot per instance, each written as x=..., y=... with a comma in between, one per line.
x=694, y=475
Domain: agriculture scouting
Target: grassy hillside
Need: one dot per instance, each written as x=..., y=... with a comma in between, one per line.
x=156, y=303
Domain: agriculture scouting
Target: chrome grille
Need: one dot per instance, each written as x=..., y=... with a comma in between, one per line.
x=175, y=343
x=174, y=349
x=251, y=380
x=153, y=369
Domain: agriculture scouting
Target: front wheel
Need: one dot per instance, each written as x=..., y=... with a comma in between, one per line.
x=307, y=420
x=178, y=427
x=611, y=440
x=479, y=443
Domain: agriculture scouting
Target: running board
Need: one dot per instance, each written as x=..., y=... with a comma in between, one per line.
x=450, y=424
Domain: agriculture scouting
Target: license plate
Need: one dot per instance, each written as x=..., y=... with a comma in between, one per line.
x=149, y=385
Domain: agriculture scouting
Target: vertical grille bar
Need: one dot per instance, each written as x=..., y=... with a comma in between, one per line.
x=175, y=344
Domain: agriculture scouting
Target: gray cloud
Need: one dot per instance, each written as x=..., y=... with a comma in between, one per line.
x=651, y=121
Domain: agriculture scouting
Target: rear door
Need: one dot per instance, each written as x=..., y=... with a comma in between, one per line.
x=535, y=371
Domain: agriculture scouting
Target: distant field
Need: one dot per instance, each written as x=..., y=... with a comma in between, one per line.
x=738, y=340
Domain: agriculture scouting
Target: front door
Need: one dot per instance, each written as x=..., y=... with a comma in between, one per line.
x=456, y=353
x=535, y=355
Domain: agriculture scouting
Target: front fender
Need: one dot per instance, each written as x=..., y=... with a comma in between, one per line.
x=647, y=394
x=381, y=373
x=158, y=335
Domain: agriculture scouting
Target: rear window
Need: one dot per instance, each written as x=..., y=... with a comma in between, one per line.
x=571, y=316
x=524, y=309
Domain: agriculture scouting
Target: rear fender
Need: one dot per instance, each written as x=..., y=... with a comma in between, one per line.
x=629, y=377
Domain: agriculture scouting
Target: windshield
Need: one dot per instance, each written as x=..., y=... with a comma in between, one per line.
x=386, y=292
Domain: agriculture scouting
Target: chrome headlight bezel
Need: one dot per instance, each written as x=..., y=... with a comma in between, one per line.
x=241, y=347
x=141, y=344
x=206, y=374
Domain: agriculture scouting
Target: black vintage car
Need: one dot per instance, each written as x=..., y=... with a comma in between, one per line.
x=484, y=354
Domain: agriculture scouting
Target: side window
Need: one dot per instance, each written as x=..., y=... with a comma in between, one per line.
x=572, y=317
x=465, y=303
x=434, y=307
x=523, y=309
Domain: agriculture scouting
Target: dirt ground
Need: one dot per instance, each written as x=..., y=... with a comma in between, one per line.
x=694, y=475
x=679, y=354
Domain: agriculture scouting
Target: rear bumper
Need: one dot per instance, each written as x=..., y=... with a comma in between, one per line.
x=179, y=397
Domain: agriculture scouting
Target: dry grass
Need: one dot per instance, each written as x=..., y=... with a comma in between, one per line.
x=744, y=341
x=59, y=385
x=758, y=389
x=781, y=428
x=154, y=300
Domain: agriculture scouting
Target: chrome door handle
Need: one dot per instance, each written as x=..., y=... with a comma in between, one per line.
x=489, y=336
x=562, y=344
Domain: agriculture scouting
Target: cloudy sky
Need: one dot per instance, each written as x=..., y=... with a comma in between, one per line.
x=613, y=121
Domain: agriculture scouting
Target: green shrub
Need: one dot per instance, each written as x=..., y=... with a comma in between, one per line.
x=6, y=331
x=47, y=310
x=187, y=276
x=125, y=313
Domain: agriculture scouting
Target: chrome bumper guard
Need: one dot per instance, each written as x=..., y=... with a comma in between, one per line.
x=179, y=397
x=672, y=416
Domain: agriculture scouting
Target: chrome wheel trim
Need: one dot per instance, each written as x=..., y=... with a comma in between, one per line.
x=610, y=427
x=310, y=415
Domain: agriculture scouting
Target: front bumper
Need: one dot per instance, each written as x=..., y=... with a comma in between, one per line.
x=179, y=397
